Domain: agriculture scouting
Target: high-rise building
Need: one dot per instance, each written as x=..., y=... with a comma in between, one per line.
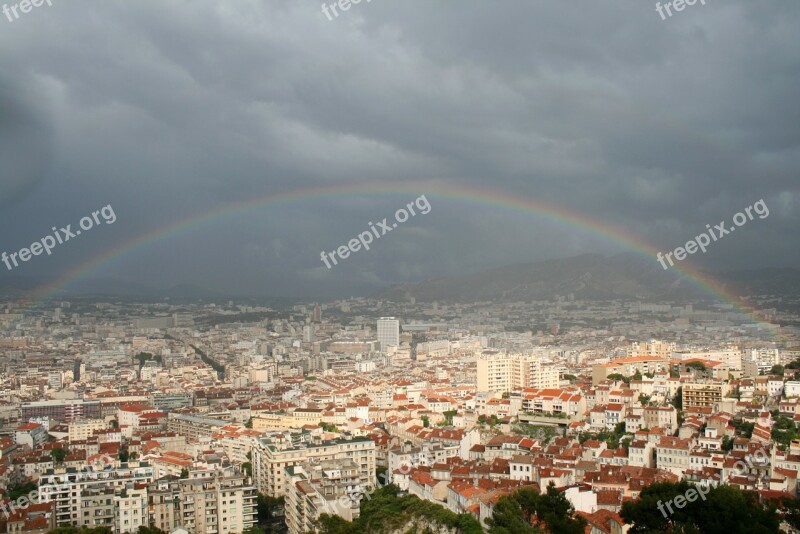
x=205, y=503
x=67, y=487
x=388, y=332
x=332, y=487
x=308, y=333
x=501, y=372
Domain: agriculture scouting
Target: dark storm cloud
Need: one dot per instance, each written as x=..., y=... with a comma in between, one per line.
x=26, y=142
x=171, y=109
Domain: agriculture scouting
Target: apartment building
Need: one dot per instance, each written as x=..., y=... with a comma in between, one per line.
x=95, y=508
x=703, y=394
x=494, y=372
x=167, y=401
x=67, y=486
x=629, y=367
x=61, y=410
x=659, y=349
x=83, y=429
x=215, y=503
x=672, y=454
x=271, y=458
x=556, y=402
x=30, y=435
x=660, y=416
x=193, y=427
x=499, y=372
x=131, y=508
x=731, y=357
x=333, y=487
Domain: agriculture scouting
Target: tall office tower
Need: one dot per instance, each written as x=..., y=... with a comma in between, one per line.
x=317, y=317
x=388, y=332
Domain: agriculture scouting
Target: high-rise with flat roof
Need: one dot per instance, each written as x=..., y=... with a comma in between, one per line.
x=388, y=332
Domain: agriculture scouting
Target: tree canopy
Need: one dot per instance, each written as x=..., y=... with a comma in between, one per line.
x=721, y=510
x=517, y=513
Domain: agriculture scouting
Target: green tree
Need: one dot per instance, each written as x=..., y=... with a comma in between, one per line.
x=677, y=400
x=15, y=492
x=784, y=431
x=328, y=427
x=698, y=366
x=247, y=469
x=794, y=365
x=727, y=443
x=184, y=473
x=776, y=370
x=150, y=530
x=448, y=416
x=269, y=511
x=513, y=512
x=725, y=509
x=58, y=455
x=425, y=421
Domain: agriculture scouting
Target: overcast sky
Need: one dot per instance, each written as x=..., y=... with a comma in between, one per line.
x=168, y=109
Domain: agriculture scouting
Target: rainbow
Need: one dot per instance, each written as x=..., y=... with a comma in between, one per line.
x=472, y=194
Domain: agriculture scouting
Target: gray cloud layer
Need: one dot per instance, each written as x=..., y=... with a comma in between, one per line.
x=173, y=108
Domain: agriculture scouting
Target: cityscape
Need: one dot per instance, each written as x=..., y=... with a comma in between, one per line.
x=381, y=267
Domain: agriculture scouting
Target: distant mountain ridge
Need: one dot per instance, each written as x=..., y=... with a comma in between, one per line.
x=588, y=277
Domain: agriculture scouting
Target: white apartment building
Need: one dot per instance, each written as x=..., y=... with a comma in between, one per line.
x=554, y=402
x=660, y=416
x=131, y=510
x=83, y=429
x=332, y=487
x=66, y=486
x=31, y=435
x=209, y=502
x=672, y=454
x=731, y=357
x=271, y=458
x=659, y=349
x=499, y=372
